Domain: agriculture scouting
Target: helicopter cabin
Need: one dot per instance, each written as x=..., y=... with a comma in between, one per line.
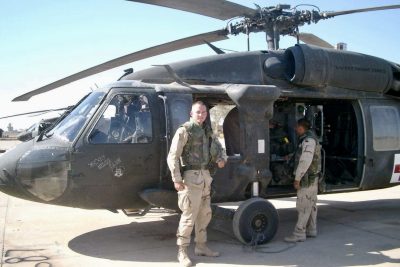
x=339, y=123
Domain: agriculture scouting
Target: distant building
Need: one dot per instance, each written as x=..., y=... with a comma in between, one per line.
x=10, y=133
x=10, y=128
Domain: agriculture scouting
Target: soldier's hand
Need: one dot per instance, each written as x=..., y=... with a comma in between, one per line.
x=179, y=186
x=296, y=185
x=221, y=164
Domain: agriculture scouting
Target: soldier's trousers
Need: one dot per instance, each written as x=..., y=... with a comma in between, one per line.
x=306, y=206
x=195, y=204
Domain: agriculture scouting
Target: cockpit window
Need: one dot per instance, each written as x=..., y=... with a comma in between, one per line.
x=70, y=126
x=31, y=128
x=127, y=119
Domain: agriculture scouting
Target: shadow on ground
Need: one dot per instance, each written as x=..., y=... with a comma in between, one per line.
x=350, y=233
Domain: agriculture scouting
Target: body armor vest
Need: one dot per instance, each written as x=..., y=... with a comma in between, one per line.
x=315, y=167
x=196, y=151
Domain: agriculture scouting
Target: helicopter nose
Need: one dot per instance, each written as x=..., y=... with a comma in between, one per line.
x=8, y=168
x=36, y=171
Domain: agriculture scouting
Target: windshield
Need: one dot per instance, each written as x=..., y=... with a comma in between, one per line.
x=31, y=128
x=70, y=126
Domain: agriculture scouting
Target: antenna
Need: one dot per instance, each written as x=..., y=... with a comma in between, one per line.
x=248, y=38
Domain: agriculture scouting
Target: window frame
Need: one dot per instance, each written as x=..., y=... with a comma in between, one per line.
x=105, y=106
x=375, y=124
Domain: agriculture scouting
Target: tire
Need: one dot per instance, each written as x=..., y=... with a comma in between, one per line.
x=256, y=220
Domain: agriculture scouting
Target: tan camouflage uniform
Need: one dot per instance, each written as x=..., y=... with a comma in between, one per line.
x=307, y=169
x=192, y=149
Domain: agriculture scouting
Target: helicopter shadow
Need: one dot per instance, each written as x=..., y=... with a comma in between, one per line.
x=356, y=233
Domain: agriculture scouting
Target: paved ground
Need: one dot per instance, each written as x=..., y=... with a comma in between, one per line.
x=356, y=229
x=6, y=144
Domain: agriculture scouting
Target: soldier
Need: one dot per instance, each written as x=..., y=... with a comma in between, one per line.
x=193, y=149
x=307, y=168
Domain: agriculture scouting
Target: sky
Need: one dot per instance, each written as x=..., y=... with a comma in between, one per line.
x=46, y=40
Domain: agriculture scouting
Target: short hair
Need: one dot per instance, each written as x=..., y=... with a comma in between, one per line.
x=199, y=102
x=303, y=122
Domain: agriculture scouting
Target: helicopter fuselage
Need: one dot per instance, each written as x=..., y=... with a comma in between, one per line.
x=110, y=151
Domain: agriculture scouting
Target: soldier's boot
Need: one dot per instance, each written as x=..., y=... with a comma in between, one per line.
x=201, y=249
x=183, y=257
x=294, y=239
x=311, y=234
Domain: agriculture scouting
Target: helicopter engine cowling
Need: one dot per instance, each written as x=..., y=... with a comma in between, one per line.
x=308, y=65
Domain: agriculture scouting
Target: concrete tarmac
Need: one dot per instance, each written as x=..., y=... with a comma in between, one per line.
x=8, y=143
x=355, y=229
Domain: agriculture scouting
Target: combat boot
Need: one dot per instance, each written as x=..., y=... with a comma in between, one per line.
x=202, y=250
x=183, y=257
x=312, y=234
x=294, y=239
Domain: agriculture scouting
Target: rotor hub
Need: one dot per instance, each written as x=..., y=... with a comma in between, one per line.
x=282, y=18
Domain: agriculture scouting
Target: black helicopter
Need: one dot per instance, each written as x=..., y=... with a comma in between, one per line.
x=35, y=129
x=109, y=150
x=39, y=126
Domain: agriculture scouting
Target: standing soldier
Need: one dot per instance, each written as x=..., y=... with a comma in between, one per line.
x=307, y=168
x=194, y=149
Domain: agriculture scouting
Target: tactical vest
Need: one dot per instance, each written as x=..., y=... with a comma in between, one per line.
x=315, y=167
x=196, y=152
x=201, y=150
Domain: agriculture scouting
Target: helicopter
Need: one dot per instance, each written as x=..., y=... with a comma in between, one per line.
x=109, y=150
x=38, y=127
x=35, y=129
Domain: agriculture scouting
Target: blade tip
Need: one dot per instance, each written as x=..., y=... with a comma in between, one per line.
x=20, y=98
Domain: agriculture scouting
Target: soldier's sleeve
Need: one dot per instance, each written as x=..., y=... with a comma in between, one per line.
x=175, y=152
x=221, y=153
x=306, y=158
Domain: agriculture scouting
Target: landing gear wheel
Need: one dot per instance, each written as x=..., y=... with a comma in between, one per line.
x=256, y=220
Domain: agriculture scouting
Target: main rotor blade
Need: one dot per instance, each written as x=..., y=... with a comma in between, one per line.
x=351, y=11
x=142, y=54
x=34, y=112
x=219, y=9
x=312, y=39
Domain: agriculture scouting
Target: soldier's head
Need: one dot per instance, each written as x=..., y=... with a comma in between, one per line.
x=199, y=112
x=303, y=125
